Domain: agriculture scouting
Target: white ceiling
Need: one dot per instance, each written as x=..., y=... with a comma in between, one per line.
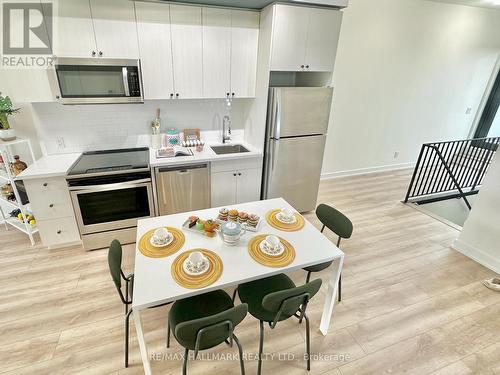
x=475, y=3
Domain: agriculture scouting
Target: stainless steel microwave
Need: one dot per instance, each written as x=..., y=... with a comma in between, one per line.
x=96, y=81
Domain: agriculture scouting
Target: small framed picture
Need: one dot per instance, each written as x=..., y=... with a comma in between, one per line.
x=191, y=134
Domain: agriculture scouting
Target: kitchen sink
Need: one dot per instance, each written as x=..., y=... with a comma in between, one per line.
x=229, y=149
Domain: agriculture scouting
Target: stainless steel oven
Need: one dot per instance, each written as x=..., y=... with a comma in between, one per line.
x=96, y=81
x=108, y=207
x=110, y=190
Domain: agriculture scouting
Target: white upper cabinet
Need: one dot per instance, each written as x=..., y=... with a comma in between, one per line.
x=155, y=48
x=187, y=51
x=216, y=52
x=289, y=37
x=322, y=39
x=244, y=49
x=230, y=46
x=74, y=32
x=96, y=28
x=115, y=29
x=304, y=39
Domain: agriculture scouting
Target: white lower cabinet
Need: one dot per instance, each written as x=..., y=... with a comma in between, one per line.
x=248, y=185
x=236, y=182
x=51, y=204
x=57, y=232
x=223, y=188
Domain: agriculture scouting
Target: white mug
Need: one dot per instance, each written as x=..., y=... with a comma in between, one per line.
x=287, y=213
x=272, y=241
x=196, y=258
x=161, y=235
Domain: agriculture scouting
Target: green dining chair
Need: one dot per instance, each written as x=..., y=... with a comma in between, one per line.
x=115, y=269
x=339, y=224
x=205, y=321
x=274, y=299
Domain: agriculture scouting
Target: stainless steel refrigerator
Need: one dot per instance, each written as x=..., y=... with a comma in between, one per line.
x=297, y=123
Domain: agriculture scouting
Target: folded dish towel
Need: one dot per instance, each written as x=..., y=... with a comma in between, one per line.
x=493, y=284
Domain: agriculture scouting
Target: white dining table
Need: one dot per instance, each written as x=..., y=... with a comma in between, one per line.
x=154, y=284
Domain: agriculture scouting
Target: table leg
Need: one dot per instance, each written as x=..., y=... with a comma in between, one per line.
x=142, y=342
x=331, y=295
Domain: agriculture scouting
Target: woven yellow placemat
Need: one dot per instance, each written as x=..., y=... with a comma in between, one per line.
x=199, y=281
x=274, y=222
x=151, y=251
x=267, y=260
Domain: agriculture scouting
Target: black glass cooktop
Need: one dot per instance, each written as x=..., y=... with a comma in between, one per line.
x=105, y=161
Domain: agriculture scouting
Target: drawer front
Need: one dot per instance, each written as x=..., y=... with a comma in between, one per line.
x=46, y=184
x=232, y=165
x=58, y=231
x=51, y=205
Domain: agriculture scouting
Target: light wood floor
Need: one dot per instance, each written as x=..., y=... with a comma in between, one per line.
x=411, y=305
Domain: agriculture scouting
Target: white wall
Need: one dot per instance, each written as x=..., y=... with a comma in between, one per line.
x=92, y=127
x=406, y=72
x=480, y=238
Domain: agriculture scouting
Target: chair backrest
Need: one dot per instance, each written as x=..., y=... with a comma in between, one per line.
x=286, y=303
x=115, y=263
x=334, y=220
x=210, y=331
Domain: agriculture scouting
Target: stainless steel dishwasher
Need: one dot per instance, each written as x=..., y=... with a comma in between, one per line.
x=182, y=188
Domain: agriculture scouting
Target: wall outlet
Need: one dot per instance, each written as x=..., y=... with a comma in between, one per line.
x=396, y=154
x=60, y=143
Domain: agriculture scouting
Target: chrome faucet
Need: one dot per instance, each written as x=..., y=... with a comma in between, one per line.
x=226, y=120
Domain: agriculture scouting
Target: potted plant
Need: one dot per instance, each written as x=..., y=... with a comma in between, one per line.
x=6, y=109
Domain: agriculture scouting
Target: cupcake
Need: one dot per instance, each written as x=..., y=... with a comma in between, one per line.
x=233, y=215
x=253, y=220
x=242, y=217
x=223, y=214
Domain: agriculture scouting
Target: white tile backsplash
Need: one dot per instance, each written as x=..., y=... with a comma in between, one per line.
x=67, y=128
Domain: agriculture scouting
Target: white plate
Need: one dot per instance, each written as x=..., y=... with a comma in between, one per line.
x=188, y=267
x=281, y=219
x=266, y=250
x=170, y=238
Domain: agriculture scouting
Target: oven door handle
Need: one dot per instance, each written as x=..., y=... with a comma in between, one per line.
x=118, y=185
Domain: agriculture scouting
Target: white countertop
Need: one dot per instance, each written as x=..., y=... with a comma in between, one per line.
x=58, y=165
x=49, y=166
x=207, y=155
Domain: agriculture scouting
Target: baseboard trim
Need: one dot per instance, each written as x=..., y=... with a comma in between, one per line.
x=478, y=255
x=355, y=172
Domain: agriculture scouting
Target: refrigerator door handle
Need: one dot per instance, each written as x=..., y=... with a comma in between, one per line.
x=277, y=119
x=274, y=154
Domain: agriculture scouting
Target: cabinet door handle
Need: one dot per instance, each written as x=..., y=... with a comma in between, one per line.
x=177, y=95
x=239, y=174
x=59, y=231
x=51, y=205
x=307, y=66
x=93, y=53
x=302, y=66
x=227, y=94
x=232, y=94
x=45, y=184
x=100, y=53
x=171, y=95
x=234, y=174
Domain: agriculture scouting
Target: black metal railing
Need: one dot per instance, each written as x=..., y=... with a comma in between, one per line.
x=451, y=169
